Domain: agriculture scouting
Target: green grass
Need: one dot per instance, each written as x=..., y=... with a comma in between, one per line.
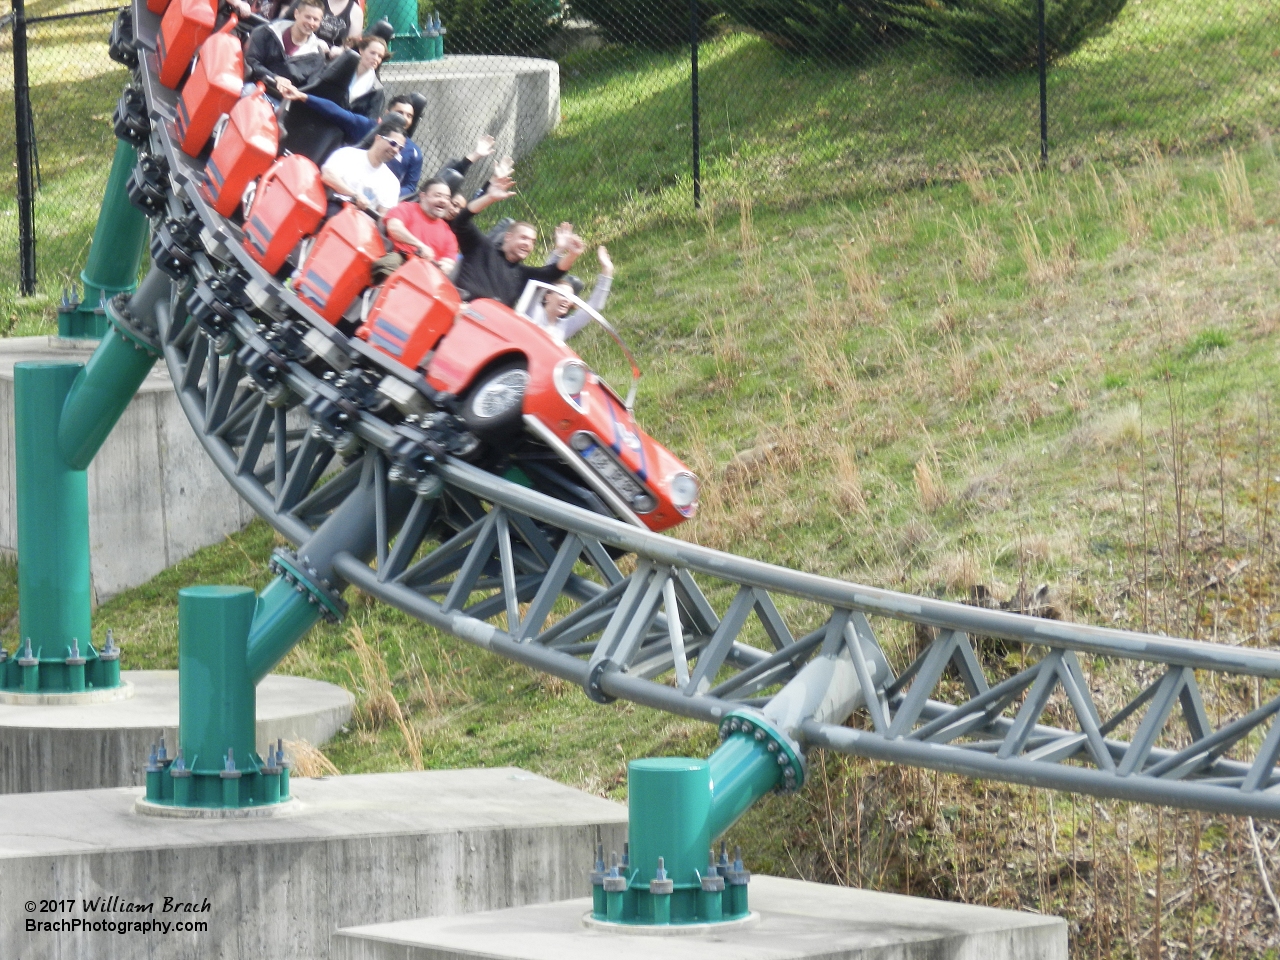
x=74, y=88
x=969, y=372
x=790, y=130
x=786, y=130
x=1042, y=343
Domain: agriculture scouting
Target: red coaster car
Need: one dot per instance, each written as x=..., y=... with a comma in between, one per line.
x=522, y=389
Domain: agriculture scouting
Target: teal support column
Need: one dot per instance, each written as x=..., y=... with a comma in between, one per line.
x=100, y=395
x=679, y=806
x=408, y=42
x=54, y=590
x=63, y=413
x=284, y=614
x=216, y=692
x=225, y=636
x=669, y=804
x=115, y=254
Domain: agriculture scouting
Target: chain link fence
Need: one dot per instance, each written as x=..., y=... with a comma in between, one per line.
x=71, y=91
x=777, y=100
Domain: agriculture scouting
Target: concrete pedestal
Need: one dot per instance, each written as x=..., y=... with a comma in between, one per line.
x=515, y=99
x=154, y=497
x=797, y=921
x=361, y=849
x=105, y=744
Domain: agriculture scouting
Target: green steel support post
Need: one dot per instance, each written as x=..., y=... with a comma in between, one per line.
x=53, y=517
x=216, y=765
x=216, y=695
x=408, y=42
x=679, y=806
x=284, y=615
x=114, y=256
x=63, y=414
x=110, y=379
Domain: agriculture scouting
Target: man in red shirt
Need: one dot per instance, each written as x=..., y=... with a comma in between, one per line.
x=418, y=228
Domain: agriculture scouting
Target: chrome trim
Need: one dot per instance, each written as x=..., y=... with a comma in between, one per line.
x=593, y=480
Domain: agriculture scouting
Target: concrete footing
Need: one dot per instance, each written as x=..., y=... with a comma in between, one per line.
x=91, y=745
x=360, y=849
x=797, y=921
x=154, y=497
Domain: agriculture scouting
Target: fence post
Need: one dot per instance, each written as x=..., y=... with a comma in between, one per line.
x=22, y=138
x=1044, y=93
x=693, y=97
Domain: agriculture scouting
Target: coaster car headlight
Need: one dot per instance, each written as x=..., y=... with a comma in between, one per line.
x=571, y=379
x=684, y=490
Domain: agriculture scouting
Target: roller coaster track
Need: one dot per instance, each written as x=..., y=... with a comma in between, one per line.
x=629, y=614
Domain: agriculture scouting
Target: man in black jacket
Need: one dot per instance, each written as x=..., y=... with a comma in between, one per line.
x=287, y=54
x=498, y=271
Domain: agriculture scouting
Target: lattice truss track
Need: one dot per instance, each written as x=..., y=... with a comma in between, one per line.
x=630, y=614
x=625, y=613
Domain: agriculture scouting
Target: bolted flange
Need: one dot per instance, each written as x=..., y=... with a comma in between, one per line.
x=286, y=564
x=787, y=753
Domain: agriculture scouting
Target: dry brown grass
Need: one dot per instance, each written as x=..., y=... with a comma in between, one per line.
x=980, y=256
x=753, y=281
x=308, y=760
x=1134, y=223
x=849, y=493
x=862, y=281
x=971, y=174
x=930, y=489
x=1044, y=267
x=377, y=703
x=963, y=370
x=957, y=571
x=1236, y=194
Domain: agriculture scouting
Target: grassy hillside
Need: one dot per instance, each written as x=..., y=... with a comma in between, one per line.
x=912, y=360
x=787, y=131
x=1034, y=377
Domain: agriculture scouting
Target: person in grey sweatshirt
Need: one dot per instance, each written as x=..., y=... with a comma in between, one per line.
x=551, y=310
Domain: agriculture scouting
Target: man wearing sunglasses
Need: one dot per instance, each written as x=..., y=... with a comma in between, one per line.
x=361, y=175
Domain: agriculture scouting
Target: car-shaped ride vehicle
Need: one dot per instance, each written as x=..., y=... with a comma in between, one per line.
x=522, y=389
x=407, y=351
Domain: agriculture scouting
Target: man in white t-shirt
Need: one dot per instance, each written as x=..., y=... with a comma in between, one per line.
x=363, y=176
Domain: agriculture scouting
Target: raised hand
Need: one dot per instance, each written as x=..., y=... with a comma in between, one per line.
x=503, y=168
x=500, y=188
x=606, y=262
x=484, y=147
x=562, y=234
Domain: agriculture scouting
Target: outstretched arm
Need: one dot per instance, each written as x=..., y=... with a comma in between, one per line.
x=599, y=297
x=572, y=250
